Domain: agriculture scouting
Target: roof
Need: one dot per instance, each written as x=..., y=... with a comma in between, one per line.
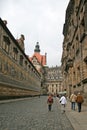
x=41, y=58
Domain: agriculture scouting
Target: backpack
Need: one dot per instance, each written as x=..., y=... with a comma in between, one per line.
x=50, y=100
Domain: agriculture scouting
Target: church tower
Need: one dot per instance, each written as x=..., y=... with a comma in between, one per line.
x=37, y=48
x=37, y=59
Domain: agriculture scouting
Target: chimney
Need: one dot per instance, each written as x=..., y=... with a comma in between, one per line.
x=5, y=22
x=46, y=58
x=21, y=42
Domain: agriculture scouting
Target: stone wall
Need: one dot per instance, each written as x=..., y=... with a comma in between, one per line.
x=18, y=76
x=7, y=92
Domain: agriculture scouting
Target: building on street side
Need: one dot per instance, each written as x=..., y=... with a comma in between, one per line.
x=74, y=56
x=18, y=76
x=53, y=80
x=39, y=61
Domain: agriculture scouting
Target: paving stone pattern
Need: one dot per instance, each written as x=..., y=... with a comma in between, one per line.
x=32, y=114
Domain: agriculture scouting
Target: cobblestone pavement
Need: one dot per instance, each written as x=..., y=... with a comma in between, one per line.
x=32, y=114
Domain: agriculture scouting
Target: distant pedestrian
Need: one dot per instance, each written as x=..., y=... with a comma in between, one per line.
x=79, y=101
x=50, y=102
x=63, y=102
x=73, y=101
x=39, y=95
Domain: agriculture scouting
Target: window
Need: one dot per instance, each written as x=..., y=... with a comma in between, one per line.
x=15, y=53
x=21, y=60
x=25, y=64
x=6, y=43
x=56, y=77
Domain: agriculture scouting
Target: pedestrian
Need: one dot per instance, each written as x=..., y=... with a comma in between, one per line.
x=63, y=102
x=50, y=102
x=79, y=101
x=73, y=101
x=39, y=95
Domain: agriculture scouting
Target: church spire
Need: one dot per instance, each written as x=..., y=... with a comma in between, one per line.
x=37, y=47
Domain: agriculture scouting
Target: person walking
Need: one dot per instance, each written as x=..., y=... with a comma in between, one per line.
x=73, y=101
x=50, y=102
x=63, y=102
x=79, y=101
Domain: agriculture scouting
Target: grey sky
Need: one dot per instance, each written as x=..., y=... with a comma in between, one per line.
x=40, y=21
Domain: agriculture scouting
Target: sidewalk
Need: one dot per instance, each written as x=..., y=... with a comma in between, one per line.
x=78, y=120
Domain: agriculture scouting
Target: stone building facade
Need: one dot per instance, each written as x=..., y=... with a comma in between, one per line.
x=18, y=76
x=74, y=56
x=52, y=80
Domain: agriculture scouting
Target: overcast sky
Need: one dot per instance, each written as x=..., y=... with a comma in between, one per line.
x=40, y=21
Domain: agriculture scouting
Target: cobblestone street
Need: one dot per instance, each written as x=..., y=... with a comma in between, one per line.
x=32, y=114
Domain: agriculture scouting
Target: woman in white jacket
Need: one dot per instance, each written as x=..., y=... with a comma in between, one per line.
x=63, y=102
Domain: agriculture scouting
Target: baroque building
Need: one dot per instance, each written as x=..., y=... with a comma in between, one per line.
x=39, y=61
x=74, y=56
x=53, y=80
x=18, y=76
x=51, y=77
